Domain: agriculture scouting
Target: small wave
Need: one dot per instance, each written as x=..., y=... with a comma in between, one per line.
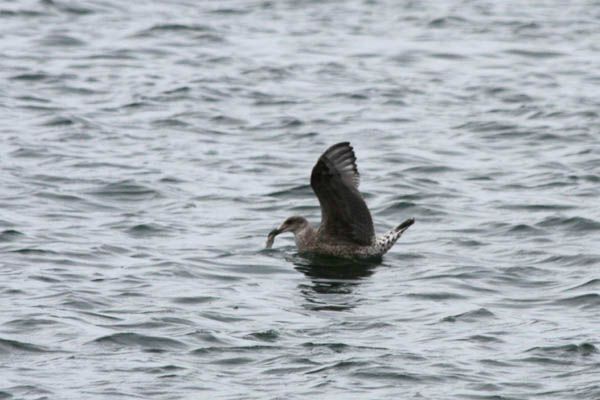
x=268, y=73
x=574, y=260
x=44, y=278
x=336, y=347
x=448, y=21
x=92, y=165
x=235, y=349
x=67, y=8
x=339, y=366
x=81, y=303
x=27, y=392
x=525, y=229
x=59, y=121
x=436, y=296
x=416, y=209
x=197, y=32
x=178, y=28
x=264, y=336
x=230, y=11
x=29, y=323
x=162, y=372
x=29, y=153
x=470, y=316
x=294, y=192
x=546, y=360
x=535, y=53
x=429, y=169
x=538, y=207
x=381, y=373
x=61, y=41
x=276, y=101
x=396, y=206
x=31, y=76
x=62, y=197
x=593, y=283
x=33, y=251
x=170, y=123
x=10, y=235
x=8, y=346
x=178, y=90
x=448, y=56
x=21, y=13
x=565, y=350
x=339, y=347
x=234, y=360
x=194, y=300
x=281, y=123
x=227, y=120
x=483, y=339
x=573, y=224
x=589, y=300
x=468, y=242
x=126, y=190
x=146, y=230
x=129, y=339
x=487, y=126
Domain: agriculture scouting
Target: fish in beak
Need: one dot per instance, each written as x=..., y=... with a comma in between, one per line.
x=271, y=237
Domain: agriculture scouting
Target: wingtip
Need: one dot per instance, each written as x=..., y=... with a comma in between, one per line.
x=338, y=145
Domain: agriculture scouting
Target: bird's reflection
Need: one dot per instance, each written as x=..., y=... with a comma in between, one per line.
x=332, y=281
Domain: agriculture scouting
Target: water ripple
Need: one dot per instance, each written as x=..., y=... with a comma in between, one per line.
x=128, y=339
x=149, y=147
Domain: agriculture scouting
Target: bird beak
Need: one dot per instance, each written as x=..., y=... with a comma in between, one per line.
x=271, y=237
x=275, y=232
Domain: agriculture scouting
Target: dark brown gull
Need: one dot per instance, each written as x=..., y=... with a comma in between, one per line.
x=346, y=228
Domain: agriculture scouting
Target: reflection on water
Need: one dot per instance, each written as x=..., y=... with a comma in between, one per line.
x=332, y=281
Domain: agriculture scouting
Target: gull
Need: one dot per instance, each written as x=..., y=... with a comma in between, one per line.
x=346, y=228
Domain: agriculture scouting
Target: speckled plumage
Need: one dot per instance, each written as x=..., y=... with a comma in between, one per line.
x=346, y=228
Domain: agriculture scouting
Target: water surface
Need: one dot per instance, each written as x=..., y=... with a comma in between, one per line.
x=147, y=149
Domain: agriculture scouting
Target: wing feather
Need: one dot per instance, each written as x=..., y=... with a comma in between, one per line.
x=344, y=213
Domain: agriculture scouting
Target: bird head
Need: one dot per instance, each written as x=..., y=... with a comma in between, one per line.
x=293, y=224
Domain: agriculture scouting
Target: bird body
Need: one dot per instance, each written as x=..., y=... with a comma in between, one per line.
x=346, y=228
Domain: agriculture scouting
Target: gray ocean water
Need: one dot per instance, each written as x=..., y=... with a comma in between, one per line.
x=148, y=147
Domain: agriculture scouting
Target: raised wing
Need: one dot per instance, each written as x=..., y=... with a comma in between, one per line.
x=344, y=213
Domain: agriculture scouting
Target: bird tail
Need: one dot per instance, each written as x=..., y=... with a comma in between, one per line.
x=386, y=241
x=404, y=226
